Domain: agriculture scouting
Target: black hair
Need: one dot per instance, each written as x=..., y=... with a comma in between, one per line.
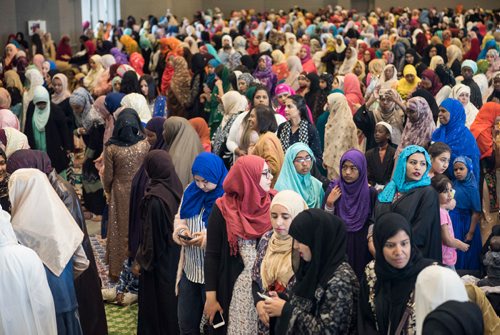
x=301, y=105
x=260, y=87
x=152, y=93
x=265, y=119
x=233, y=81
x=130, y=83
x=438, y=148
x=440, y=182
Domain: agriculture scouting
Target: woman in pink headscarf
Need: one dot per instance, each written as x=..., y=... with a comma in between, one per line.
x=137, y=62
x=352, y=92
x=8, y=119
x=306, y=59
x=282, y=92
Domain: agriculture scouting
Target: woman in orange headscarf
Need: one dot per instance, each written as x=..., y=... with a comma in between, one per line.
x=200, y=125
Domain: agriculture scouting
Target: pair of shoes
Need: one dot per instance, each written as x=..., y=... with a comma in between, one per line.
x=128, y=299
x=108, y=294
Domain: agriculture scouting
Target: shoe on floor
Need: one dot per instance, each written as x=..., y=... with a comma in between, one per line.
x=109, y=294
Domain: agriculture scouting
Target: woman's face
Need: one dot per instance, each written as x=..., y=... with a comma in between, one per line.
x=262, y=64
x=410, y=78
x=464, y=98
x=336, y=83
x=367, y=57
x=92, y=64
x=397, y=250
x=440, y=163
x=210, y=69
x=303, y=81
x=411, y=113
x=460, y=170
x=252, y=120
x=10, y=51
x=490, y=57
x=425, y=83
x=409, y=58
x=266, y=178
x=303, y=250
x=322, y=84
x=291, y=110
x=415, y=167
x=348, y=53
x=45, y=68
x=358, y=69
x=204, y=184
x=57, y=85
x=281, y=220
x=242, y=86
x=77, y=109
x=303, y=162
x=151, y=136
x=3, y=168
x=389, y=72
x=261, y=98
x=117, y=86
x=350, y=172
x=443, y=116
x=496, y=83
x=282, y=98
x=302, y=53
x=432, y=52
x=144, y=88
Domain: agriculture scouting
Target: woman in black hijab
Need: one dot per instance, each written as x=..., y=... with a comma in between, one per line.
x=453, y=317
x=324, y=297
x=130, y=83
x=198, y=63
x=158, y=255
x=386, y=297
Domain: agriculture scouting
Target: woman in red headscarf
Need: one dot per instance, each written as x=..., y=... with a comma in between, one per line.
x=238, y=220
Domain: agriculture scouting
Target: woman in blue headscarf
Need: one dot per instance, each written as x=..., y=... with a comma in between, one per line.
x=190, y=229
x=467, y=213
x=456, y=135
x=296, y=175
x=409, y=193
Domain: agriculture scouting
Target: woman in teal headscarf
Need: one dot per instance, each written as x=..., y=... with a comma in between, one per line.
x=216, y=109
x=409, y=193
x=47, y=130
x=296, y=175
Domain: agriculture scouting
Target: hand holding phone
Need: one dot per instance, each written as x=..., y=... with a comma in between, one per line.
x=263, y=296
x=185, y=237
x=218, y=320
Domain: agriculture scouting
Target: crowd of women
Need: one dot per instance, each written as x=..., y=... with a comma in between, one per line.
x=266, y=173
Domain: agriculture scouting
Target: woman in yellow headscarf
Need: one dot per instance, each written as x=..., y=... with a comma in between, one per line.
x=409, y=82
x=130, y=44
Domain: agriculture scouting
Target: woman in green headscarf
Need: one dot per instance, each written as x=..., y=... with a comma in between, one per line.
x=222, y=85
x=47, y=130
x=296, y=175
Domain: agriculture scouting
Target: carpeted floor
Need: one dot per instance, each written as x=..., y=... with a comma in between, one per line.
x=121, y=320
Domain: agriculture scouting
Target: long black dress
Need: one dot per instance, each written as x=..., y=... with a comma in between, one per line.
x=420, y=207
x=158, y=256
x=93, y=192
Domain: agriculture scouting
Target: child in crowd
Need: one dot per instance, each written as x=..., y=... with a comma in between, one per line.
x=443, y=186
x=380, y=160
x=466, y=214
x=492, y=263
x=440, y=158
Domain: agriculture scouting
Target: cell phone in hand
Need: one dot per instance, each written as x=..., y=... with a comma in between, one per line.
x=184, y=237
x=263, y=296
x=218, y=320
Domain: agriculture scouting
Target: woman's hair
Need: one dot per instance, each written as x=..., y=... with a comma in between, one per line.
x=438, y=148
x=130, y=83
x=440, y=182
x=265, y=120
x=152, y=92
x=300, y=102
x=233, y=80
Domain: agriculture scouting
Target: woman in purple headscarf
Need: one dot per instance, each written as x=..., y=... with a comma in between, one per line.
x=264, y=73
x=352, y=199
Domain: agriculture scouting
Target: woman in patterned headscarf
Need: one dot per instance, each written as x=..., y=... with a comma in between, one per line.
x=179, y=96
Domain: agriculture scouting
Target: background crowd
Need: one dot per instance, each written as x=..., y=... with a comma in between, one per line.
x=286, y=172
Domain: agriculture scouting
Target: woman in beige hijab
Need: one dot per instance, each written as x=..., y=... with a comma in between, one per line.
x=183, y=144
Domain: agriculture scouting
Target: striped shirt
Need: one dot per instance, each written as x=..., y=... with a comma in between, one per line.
x=194, y=257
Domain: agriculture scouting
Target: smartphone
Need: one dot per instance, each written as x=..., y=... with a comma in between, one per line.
x=263, y=296
x=184, y=237
x=218, y=320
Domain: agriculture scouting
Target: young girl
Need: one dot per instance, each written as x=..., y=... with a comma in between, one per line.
x=440, y=158
x=380, y=159
x=443, y=186
x=466, y=214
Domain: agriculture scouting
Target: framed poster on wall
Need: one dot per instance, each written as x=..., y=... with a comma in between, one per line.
x=33, y=25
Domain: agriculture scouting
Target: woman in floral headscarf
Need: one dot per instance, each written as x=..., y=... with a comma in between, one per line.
x=178, y=96
x=264, y=73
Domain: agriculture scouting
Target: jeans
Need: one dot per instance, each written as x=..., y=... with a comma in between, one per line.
x=191, y=301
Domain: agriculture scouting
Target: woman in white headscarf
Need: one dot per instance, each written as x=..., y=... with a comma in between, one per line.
x=138, y=103
x=23, y=281
x=461, y=92
x=42, y=222
x=351, y=57
x=96, y=70
x=389, y=77
x=292, y=47
x=294, y=71
x=436, y=285
x=35, y=79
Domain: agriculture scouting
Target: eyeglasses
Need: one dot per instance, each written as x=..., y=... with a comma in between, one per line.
x=302, y=160
x=267, y=174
